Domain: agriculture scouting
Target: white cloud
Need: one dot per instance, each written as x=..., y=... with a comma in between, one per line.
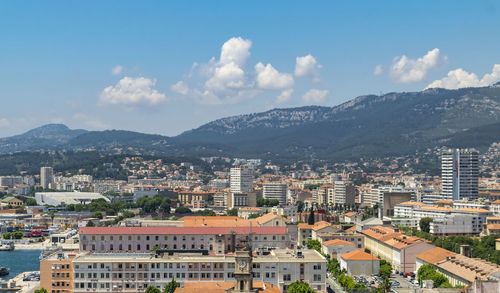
x=285, y=96
x=130, y=91
x=459, y=78
x=235, y=50
x=180, y=87
x=226, y=76
x=378, y=70
x=270, y=78
x=306, y=65
x=4, y=122
x=407, y=70
x=117, y=70
x=315, y=96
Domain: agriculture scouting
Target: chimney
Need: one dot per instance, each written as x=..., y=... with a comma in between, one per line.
x=465, y=250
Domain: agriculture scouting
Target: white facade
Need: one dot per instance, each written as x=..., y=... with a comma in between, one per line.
x=242, y=179
x=455, y=225
x=460, y=174
x=134, y=272
x=274, y=190
x=58, y=198
x=46, y=177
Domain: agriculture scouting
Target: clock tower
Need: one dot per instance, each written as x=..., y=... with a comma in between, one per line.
x=243, y=273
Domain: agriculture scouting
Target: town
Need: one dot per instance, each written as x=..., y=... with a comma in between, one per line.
x=248, y=225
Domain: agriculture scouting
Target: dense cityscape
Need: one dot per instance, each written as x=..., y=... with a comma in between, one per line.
x=249, y=146
x=249, y=222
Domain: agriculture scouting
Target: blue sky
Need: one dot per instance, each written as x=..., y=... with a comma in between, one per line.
x=159, y=67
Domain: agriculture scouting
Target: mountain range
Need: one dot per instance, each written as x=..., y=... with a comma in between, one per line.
x=367, y=126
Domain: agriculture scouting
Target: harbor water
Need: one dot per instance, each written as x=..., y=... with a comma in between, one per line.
x=19, y=261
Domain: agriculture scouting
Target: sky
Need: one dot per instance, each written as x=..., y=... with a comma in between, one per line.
x=165, y=67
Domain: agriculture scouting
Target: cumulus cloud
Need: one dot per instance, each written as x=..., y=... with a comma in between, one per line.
x=378, y=70
x=285, y=96
x=180, y=87
x=306, y=65
x=315, y=96
x=270, y=78
x=235, y=50
x=229, y=79
x=407, y=70
x=132, y=91
x=459, y=78
x=117, y=70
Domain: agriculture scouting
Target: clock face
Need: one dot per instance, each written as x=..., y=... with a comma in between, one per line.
x=242, y=264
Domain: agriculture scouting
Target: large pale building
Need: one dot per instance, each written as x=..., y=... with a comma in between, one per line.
x=209, y=239
x=275, y=190
x=242, y=179
x=126, y=272
x=46, y=177
x=460, y=174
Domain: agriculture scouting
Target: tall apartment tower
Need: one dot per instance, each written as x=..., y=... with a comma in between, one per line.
x=460, y=174
x=242, y=179
x=275, y=190
x=46, y=177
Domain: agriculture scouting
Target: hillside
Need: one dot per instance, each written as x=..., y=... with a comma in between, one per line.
x=367, y=126
x=391, y=124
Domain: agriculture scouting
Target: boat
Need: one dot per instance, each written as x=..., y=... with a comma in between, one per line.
x=7, y=246
x=4, y=271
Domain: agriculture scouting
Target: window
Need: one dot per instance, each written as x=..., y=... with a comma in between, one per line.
x=287, y=277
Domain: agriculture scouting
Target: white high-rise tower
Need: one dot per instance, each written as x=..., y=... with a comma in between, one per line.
x=46, y=177
x=460, y=174
x=242, y=179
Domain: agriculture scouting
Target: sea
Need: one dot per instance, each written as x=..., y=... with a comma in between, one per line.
x=19, y=261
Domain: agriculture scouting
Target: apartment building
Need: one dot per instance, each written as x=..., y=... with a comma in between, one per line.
x=418, y=210
x=460, y=174
x=120, y=272
x=217, y=240
x=56, y=272
x=241, y=179
x=395, y=247
x=455, y=225
x=275, y=190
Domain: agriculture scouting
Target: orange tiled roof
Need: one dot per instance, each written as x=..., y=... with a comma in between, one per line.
x=349, y=214
x=265, y=218
x=214, y=221
x=320, y=225
x=435, y=255
x=338, y=242
x=493, y=226
x=358, y=254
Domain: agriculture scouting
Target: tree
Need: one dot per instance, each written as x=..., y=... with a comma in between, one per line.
x=385, y=269
x=300, y=206
x=30, y=201
x=182, y=210
x=428, y=272
x=425, y=224
x=313, y=244
x=232, y=212
x=98, y=215
x=41, y=290
x=310, y=219
x=253, y=216
x=171, y=286
x=90, y=224
x=300, y=287
x=152, y=289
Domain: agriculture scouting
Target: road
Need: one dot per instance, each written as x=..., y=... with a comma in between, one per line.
x=405, y=283
x=335, y=287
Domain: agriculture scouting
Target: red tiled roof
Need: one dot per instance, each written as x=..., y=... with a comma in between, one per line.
x=182, y=230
